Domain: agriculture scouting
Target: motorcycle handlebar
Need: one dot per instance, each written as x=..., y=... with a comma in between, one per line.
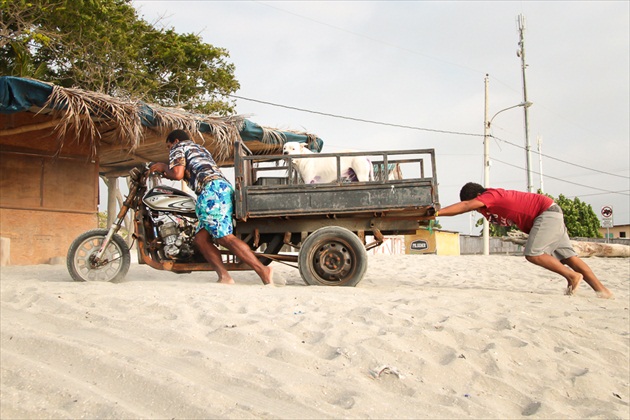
x=148, y=165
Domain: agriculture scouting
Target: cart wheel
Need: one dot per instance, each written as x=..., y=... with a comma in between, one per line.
x=332, y=256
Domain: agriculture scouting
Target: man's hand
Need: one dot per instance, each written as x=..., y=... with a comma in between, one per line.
x=175, y=173
x=160, y=167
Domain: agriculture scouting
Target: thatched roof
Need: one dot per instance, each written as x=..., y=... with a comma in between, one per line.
x=123, y=133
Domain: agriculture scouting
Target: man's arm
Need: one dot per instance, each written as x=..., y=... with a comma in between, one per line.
x=461, y=207
x=175, y=173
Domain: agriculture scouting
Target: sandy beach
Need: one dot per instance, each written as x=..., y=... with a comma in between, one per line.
x=422, y=336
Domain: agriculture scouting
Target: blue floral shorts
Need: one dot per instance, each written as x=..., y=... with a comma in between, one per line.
x=215, y=208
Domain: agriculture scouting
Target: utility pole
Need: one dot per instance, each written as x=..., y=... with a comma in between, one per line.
x=521, y=53
x=486, y=157
x=486, y=167
x=542, y=188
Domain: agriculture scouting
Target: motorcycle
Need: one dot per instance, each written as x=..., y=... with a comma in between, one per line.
x=164, y=226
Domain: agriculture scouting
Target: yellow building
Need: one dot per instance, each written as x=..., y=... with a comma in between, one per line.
x=439, y=242
x=618, y=231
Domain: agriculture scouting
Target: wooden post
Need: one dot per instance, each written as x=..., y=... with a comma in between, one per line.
x=112, y=191
x=5, y=251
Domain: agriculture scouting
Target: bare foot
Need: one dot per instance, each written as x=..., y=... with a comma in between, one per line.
x=605, y=294
x=226, y=280
x=268, y=278
x=573, y=284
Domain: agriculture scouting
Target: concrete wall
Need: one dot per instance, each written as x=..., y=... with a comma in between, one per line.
x=620, y=241
x=473, y=245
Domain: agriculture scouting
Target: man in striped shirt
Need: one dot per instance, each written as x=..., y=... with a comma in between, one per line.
x=194, y=164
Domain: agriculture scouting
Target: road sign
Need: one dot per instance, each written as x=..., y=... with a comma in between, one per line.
x=607, y=212
x=607, y=216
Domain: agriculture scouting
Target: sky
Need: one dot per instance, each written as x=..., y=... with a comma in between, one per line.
x=422, y=65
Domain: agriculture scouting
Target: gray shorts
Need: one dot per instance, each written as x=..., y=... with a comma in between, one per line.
x=549, y=236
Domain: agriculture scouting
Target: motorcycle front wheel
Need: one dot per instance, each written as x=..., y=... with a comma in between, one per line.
x=113, y=266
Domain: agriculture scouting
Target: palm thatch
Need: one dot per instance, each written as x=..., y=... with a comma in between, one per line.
x=224, y=131
x=122, y=133
x=93, y=116
x=80, y=113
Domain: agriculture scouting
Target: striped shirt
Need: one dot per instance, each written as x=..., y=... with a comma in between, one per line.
x=200, y=166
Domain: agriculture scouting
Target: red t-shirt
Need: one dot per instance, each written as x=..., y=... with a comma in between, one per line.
x=508, y=207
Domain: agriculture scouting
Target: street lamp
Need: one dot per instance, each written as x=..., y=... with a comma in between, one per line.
x=486, y=160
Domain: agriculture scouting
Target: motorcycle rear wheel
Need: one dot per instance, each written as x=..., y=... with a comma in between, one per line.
x=113, y=266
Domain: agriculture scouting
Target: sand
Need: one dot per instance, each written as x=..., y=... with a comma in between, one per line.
x=420, y=337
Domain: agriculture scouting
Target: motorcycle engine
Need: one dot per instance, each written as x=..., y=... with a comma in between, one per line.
x=175, y=234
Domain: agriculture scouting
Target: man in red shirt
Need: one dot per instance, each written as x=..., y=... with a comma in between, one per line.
x=548, y=245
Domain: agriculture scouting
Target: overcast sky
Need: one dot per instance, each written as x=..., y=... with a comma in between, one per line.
x=422, y=64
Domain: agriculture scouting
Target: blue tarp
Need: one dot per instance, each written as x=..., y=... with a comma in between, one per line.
x=18, y=94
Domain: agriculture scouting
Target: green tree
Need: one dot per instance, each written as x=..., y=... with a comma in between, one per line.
x=579, y=217
x=496, y=230
x=103, y=46
x=102, y=219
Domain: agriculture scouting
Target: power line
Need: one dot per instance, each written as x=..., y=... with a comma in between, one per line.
x=564, y=180
x=623, y=192
x=602, y=193
x=405, y=126
x=425, y=129
x=357, y=119
x=560, y=160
